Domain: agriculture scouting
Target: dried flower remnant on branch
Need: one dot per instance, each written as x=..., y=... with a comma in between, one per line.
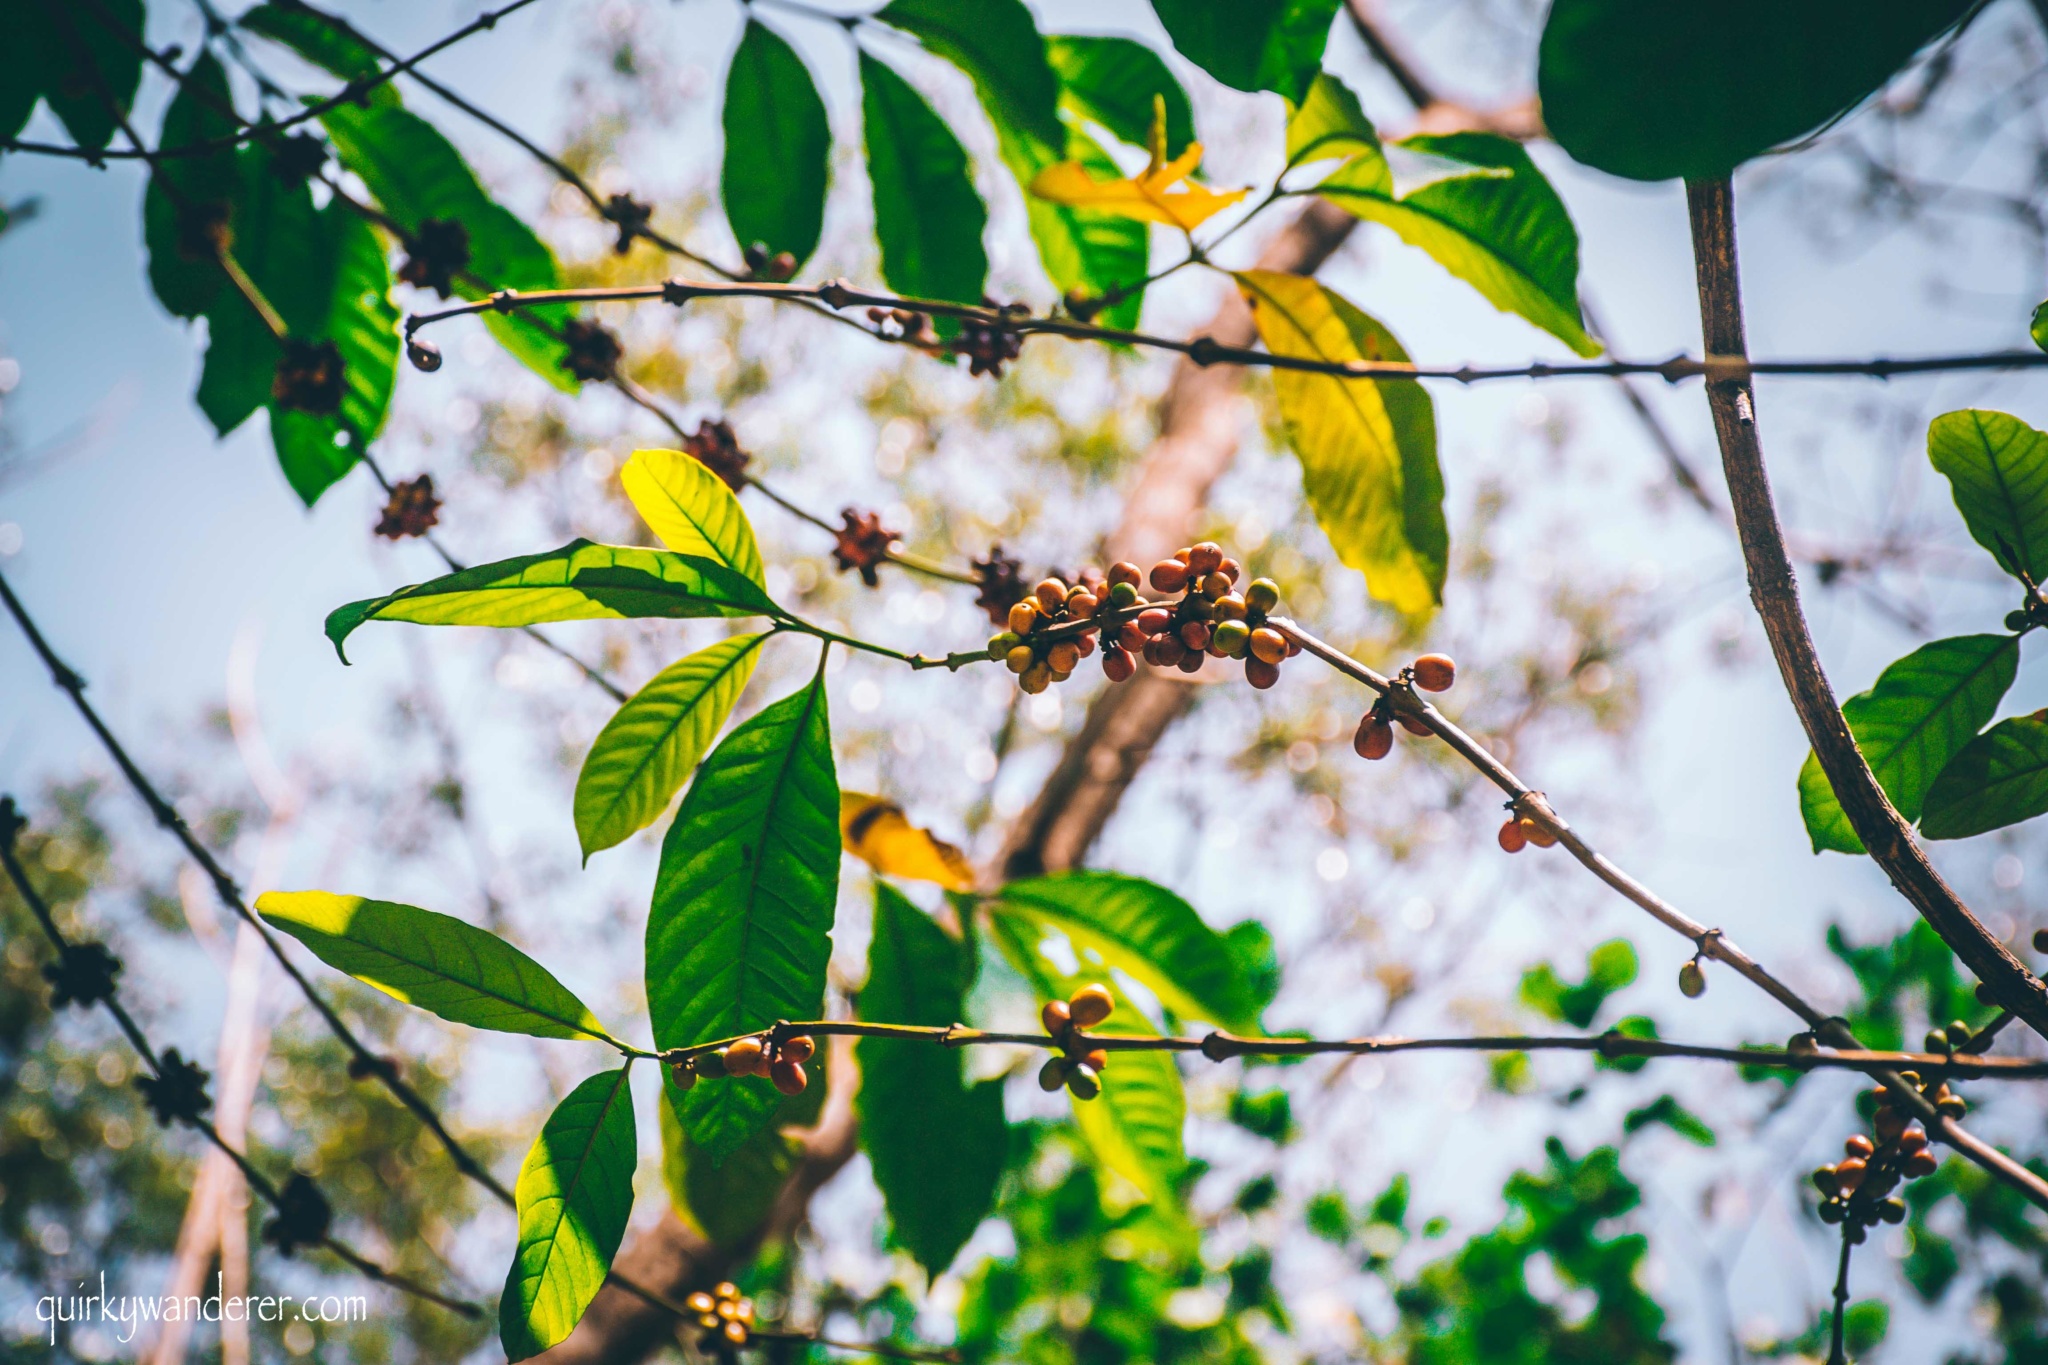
x=413, y=509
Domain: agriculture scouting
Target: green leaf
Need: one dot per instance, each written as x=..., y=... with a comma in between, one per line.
x=1609, y=967
x=84, y=60
x=1998, y=468
x=1330, y=123
x=740, y=927
x=314, y=452
x=1629, y=1026
x=928, y=219
x=2000, y=778
x=579, y=582
x=914, y=1100
x=2038, y=327
x=1084, y=250
x=326, y=40
x=1135, y=1126
x=777, y=143
x=1508, y=236
x=653, y=742
x=691, y=509
x=1673, y=1115
x=574, y=1195
x=725, y=1201
x=1252, y=45
x=1654, y=92
x=183, y=272
x=996, y=43
x=1144, y=929
x=1919, y=715
x=416, y=174
x=434, y=961
x=1367, y=447
x=1112, y=81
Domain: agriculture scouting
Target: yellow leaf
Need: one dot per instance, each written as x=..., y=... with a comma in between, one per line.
x=877, y=832
x=1161, y=194
x=691, y=509
x=1367, y=446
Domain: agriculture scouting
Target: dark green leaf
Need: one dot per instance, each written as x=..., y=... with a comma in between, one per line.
x=241, y=362
x=1673, y=1115
x=437, y=962
x=579, y=582
x=415, y=174
x=574, y=1195
x=777, y=143
x=1251, y=946
x=914, y=1101
x=313, y=451
x=1268, y=1113
x=1144, y=929
x=1998, y=468
x=1653, y=92
x=88, y=59
x=1252, y=44
x=928, y=219
x=1367, y=447
x=1509, y=237
x=726, y=1201
x=2000, y=778
x=1631, y=1026
x=1922, y=711
x=740, y=928
x=21, y=64
x=1135, y=1126
x=650, y=746
x=182, y=269
x=996, y=43
x=1112, y=81
x=326, y=40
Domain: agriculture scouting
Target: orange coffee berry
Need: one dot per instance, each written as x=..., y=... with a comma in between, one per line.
x=1090, y=1005
x=1230, y=569
x=1511, y=837
x=1051, y=594
x=1056, y=1017
x=801, y=1048
x=1083, y=605
x=1849, y=1174
x=1269, y=645
x=1096, y=1058
x=1919, y=1164
x=1205, y=558
x=1063, y=656
x=1123, y=571
x=1261, y=674
x=788, y=1076
x=1858, y=1145
x=1169, y=576
x=1536, y=833
x=1435, y=672
x=745, y=1058
x=1155, y=620
x=1195, y=635
x=1117, y=664
x=1023, y=618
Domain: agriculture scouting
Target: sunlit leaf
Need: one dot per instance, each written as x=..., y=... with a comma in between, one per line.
x=1144, y=929
x=726, y=1201
x=1919, y=715
x=1508, y=236
x=434, y=961
x=1609, y=967
x=691, y=509
x=1135, y=1126
x=1329, y=123
x=876, y=831
x=1114, y=81
x=739, y=931
x=579, y=582
x=415, y=174
x=1252, y=44
x=1367, y=447
x=1161, y=193
x=1997, y=466
x=1654, y=92
x=574, y=1195
x=928, y=218
x=2037, y=328
x=1084, y=251
x=2000, y=778
x=777, y=143
x=652, y=743
x=914, y=1100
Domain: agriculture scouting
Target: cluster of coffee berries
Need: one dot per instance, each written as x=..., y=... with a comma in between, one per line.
x=1079, y=1064
x=762, y=266
x=1212, y=619
x=781, y=1061
x=901, y=324
x=1857, y=1190
x=1375, y=737
x=1035, y=647
x=727, y=1319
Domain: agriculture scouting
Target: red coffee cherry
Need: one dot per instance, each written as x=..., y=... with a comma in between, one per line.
x=1230, y=569
x=1205, y=558
x=1082, y=606
x=1375, y=738
x=1131, y=636
x=1919, y=1164
x=1195, y=635
x=1512, y=839
x=1056, y=1016
x=1171, y=649
x=1151, y=651
x=1413, y=725
x=801, y=1048
x=1155, y=620
x=1169, y=576
x=1117, y=664
x=1085, y=643
x=1858, y=1145
x=1261, y=674
x=1435, y=672
x=788, y=1076
x=1192, y=661
x=1123, y=571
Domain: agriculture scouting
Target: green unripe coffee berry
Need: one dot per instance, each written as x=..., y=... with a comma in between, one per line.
x=1936, y=1040
x=999, y=646
x=1053, y=1074
x=1692, y=980
x=1231, y=637
x=1123, y=595
x=1019, y=658
x=1831, y=1211
x=2015, y=621
x=1892, y=1210
x=1262, y=595
x=1958, y=1032
x=709, y=1064
x=1084, y=1081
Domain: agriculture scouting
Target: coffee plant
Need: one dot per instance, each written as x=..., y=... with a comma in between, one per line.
x=287, y=221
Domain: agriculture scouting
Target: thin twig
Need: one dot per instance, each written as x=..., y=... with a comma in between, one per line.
x=1838, y=1353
